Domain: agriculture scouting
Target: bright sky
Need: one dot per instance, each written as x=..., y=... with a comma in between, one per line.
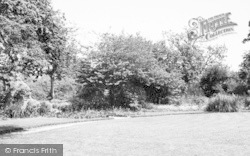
x=152, y=17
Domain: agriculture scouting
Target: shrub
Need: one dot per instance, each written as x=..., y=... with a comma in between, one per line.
x=223, y=103
x=78, y=104
x=13, y=111
x=43, y=108
x=17, y=93
x=92, y=97
x=28, y=108
x=213, y=79
x=14, y=99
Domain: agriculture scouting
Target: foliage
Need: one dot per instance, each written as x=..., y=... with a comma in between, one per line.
x=234, y=85
x=63, y=106
x=189, y=59
x=43, y=108
x=19, y=91
x=124, y=71
x=244, y=73
x=248, y=36
x=213, y=79
x=121, y=62
x=191, y=100
x=223, y=103
x=20, y=48
x=33, y=40
x=29, y=108
x=53, y=38
x=64, y=89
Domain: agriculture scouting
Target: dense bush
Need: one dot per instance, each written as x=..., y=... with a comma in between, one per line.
x=223, y=103
x=16, y=94
x=212, y=81
x=28, y=108
x=240, y=89
x=129, y=73
x=43, y=108
x=234, y=85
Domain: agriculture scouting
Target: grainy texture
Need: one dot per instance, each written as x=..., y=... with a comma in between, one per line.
x=187, y=134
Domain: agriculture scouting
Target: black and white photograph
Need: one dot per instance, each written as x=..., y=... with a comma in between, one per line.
x=124, y=78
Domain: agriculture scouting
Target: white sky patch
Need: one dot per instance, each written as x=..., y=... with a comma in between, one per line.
x=152, y=17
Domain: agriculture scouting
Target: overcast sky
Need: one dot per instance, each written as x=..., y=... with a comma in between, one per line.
x=152, y=17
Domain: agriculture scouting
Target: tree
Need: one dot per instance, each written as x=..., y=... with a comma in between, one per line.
x=123, y=62
x=33, y=41
x=52, y=36
x=193, y=59
x=18, y=23
x=244, y=73
x=190, y=60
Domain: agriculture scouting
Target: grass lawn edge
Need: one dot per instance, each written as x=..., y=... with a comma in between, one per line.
x=15, y=128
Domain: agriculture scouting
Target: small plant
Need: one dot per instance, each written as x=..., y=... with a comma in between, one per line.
x=223, y=103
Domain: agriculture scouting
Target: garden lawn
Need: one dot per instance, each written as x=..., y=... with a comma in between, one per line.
x=176, y=135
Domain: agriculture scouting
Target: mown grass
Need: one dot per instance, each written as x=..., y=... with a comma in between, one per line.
x=176, y=135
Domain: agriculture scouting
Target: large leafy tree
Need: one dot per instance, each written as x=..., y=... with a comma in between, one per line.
x=122, y=60
x=53, y=37
x=21, y=52
x=33, y=40
x=191, y=59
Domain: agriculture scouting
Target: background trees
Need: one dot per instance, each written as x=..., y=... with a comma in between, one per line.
x=188, y=59
x=244, y=73
x=120, y=70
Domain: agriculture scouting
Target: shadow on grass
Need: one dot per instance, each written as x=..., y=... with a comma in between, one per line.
x=10, y=129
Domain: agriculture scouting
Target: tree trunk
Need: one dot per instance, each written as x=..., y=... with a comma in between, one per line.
x=52, y=88
x=111, y=97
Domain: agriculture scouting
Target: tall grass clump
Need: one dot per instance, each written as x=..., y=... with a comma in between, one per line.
x=223, y=103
